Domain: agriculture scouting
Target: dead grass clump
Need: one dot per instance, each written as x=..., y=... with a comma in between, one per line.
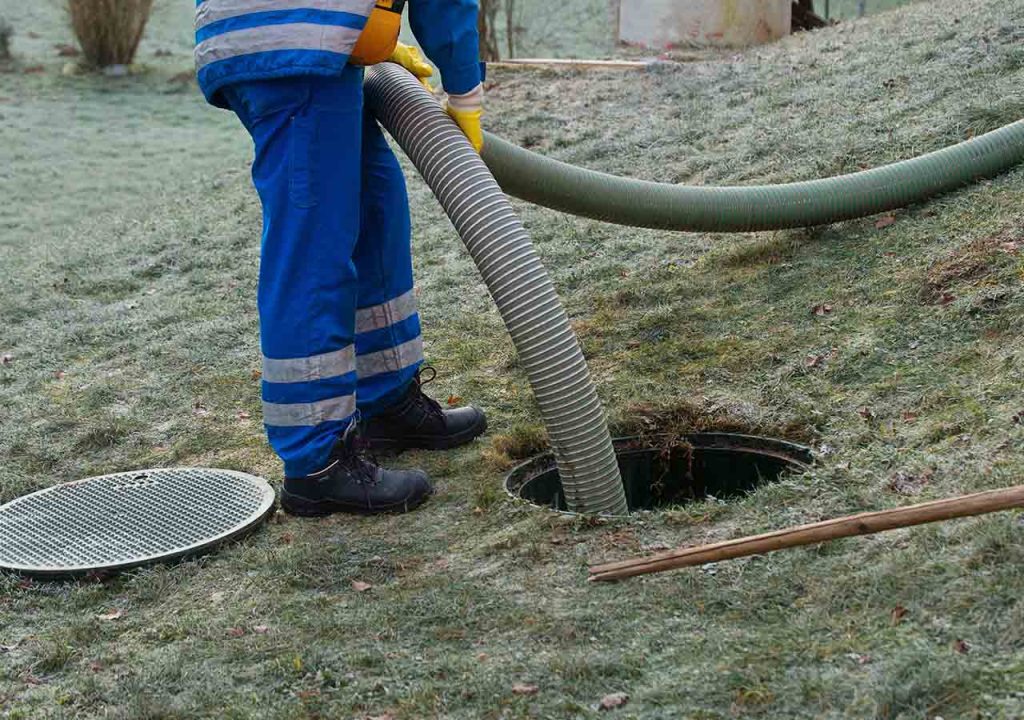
x=666, y=425
x=979, y=120
x=971, y=262
x=779, y=248
x=522, y=442
x=109, y=31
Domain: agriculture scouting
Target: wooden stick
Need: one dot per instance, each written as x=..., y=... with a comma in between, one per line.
x=559, y=62
x=862, y=524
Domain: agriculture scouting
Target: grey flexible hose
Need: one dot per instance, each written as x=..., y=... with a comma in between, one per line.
x=638, y=203
x=516, y=279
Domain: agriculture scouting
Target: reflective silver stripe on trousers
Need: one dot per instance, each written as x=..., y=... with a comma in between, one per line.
x=213, y=10
x=393, y=311
x=291, y=36
x=390, y=360
x=309, y=414
x=317, y=367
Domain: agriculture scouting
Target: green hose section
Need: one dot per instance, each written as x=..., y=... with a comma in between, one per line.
x=638, y=203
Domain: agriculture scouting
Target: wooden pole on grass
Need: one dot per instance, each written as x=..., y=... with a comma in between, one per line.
x=862, y=524
x=578, y=64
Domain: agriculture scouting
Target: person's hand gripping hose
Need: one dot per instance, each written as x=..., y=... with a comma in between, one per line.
x=466, y=110
x=409, y=57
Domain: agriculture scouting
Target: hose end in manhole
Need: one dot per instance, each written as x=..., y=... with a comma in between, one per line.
x=662, y=471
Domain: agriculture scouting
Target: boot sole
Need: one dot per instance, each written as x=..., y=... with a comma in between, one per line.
x=426, y=442
x=304, y=507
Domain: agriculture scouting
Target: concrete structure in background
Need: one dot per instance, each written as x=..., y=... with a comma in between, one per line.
x=663, y=24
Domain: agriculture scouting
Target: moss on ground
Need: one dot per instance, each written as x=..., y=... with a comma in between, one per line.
x=128, y=320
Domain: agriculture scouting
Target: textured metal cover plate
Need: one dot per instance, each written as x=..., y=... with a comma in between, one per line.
x=118, y=521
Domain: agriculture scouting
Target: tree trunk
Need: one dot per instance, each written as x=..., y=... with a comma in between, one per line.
x=510, y=27
x=486, y=27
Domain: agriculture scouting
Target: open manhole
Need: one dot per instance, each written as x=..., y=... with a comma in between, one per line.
x=693, y=467
x=114, y=522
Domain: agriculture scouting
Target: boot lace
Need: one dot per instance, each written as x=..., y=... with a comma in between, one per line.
x=354, y=457
x=421, y=399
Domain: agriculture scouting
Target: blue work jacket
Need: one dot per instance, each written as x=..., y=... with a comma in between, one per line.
x=240, y=40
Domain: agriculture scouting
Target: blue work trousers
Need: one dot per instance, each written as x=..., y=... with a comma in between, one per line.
x=339, y=328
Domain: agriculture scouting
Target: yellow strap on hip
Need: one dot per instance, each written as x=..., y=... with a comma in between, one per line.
x=380, y=36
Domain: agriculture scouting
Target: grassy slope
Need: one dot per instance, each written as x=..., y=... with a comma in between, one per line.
x=845, y=9
x=136, y=290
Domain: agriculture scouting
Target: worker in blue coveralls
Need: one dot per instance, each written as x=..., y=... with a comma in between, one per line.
x=339, y=329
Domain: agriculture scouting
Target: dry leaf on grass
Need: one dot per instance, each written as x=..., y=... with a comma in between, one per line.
x=612, y=701
x=525, y=689
x=817, y=360
x=904, y=483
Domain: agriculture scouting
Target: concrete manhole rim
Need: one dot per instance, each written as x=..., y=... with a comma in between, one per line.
x=260, y=512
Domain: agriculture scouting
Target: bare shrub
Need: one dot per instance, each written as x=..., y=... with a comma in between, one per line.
x=109, y=31
x=6, y=33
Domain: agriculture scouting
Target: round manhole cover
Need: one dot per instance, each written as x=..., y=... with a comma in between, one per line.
x=114, y=522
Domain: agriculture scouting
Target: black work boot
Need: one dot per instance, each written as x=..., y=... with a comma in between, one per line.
x=351, y=483
x=417, y=421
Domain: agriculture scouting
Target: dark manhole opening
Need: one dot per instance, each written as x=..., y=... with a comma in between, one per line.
x=662, y=472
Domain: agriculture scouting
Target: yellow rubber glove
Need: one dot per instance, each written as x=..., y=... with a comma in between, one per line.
x=466, y=110
x=412, y=60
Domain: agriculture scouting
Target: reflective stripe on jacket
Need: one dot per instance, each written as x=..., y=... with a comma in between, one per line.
x=240, y=40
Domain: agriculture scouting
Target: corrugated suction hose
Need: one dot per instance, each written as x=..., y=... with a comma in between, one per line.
x=500, y=247
x=639, y=203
